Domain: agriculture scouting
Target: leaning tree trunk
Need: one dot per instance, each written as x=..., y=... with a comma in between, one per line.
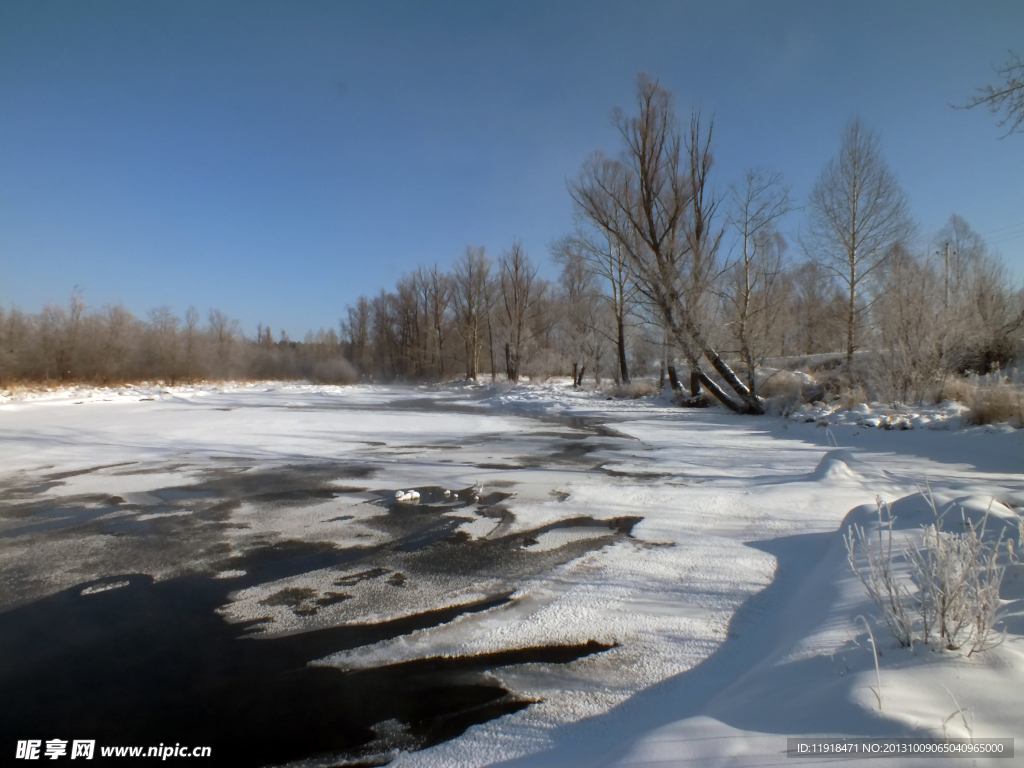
x=673, y=378
x=748, y=402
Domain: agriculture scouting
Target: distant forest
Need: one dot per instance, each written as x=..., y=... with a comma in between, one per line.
x=664, y=277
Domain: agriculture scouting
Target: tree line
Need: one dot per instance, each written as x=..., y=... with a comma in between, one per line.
x=111, y=346
x=663, y=275
x=647, y=281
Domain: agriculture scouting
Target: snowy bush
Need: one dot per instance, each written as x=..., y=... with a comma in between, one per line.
x=887, y=590
x=956, y=578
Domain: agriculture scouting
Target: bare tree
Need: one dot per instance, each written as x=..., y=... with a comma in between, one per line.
x=518, y=304
x=17, y=348
x=224, y=334
x=580, y=307
x=163, y=346
x=120, y=333
x=1007, y=94
x=384, y=335
x=472, y=273
x=856, y=213
x=817, y=309
x=58, y=330
x=436, y=289
x=411, y=327
x=909, y=324
x=356, y=332
x=961, y=250
x=191, y=340
x=604, y=258
x=660, y=214
x=754, y=294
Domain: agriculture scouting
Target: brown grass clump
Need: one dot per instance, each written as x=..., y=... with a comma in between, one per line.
x=853, y=396
x=788, y=385
x=958, y=389
x=997, y=404
x=634, y=390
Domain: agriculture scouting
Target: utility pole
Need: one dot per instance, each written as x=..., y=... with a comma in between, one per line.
x=946, y=272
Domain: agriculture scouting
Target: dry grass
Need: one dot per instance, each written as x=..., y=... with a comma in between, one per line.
x=853, y=396
x=790, y=388
x=787, y=385
x=633, y=390
x=996, y=404
x=958, y=389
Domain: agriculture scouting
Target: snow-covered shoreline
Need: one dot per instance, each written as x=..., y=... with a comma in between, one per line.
x=556, y=397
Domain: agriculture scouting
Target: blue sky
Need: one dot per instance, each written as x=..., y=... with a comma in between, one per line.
x=278, y=159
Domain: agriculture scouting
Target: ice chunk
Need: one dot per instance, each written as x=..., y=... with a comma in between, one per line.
x=95, y=589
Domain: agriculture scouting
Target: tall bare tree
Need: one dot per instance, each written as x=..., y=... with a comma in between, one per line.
x=580, y=312
x=603, y=257
x=436, y=292
x=980, y=309
x=910, y=325
x=472, y=274
x=659, y=211
x=519, y=293
x=753, y=290
x=857, y=212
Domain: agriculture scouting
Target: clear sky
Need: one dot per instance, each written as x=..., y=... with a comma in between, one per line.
x=278, y=159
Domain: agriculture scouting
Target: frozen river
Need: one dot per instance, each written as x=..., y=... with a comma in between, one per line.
x=434, y=576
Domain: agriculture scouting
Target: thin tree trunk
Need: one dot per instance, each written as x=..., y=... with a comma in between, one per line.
x=490, y=348
x=623, y=365
x=850, y=322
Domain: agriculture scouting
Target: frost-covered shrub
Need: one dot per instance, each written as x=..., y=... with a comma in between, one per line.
x=956, y=579
x=888, y=591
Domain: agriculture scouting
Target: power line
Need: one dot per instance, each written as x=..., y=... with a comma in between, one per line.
x=1000, y=231
x=1007, y=226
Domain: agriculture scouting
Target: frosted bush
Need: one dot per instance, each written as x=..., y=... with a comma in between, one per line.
x=956, y=579
x=889, y=593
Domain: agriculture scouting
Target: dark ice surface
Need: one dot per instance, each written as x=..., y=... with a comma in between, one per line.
x=129, y=660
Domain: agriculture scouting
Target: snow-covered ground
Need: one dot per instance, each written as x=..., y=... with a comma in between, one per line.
x=730, y=607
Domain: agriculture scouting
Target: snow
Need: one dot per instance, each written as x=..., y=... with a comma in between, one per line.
x=732, y=607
